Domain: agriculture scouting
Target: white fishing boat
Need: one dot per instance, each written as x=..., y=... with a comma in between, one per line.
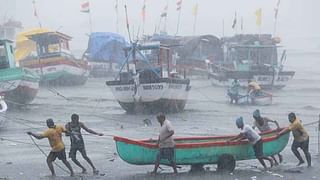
x=148, y=81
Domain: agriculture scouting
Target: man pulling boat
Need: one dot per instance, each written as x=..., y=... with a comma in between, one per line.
x=262, y=123
x=254, y=138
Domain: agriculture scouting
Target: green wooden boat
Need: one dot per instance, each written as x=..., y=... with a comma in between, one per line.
x=19, y=85
x=200, y=150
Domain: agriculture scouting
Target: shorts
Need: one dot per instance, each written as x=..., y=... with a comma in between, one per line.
x=258, y=149
x=304, y=145
x=73, y=151
x=61, y=155
x=166, y=153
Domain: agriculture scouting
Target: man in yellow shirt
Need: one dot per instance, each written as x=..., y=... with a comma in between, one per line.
x=254, y=88
x=301, y=139
x=54, y=135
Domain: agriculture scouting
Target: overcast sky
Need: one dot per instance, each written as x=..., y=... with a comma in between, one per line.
x=296, y=18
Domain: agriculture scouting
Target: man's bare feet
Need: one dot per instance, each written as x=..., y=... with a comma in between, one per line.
x=84, y=171
x=300, y=162
x=271, y=163
x=95, y=171
x=280, y=158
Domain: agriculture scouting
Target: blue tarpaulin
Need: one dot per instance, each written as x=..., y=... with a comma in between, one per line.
x=106, y=47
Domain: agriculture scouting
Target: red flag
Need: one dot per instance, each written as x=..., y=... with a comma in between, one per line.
x=85, y=7
x=143, y=11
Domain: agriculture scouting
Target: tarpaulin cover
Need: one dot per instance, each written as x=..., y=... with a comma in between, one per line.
x=106, y=47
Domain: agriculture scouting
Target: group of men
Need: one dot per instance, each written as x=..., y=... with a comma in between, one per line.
x=54, y=135
x=254, y=90
x=301, y=139
x=166, y=141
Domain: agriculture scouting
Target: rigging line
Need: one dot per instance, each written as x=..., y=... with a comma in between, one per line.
x=12, y=120
x=209, y=98
x=311, y=123
x=21, y=142
x=21, y=119
x=15, y=103
x=54, y=91
x=18, y=121
x=47, y=155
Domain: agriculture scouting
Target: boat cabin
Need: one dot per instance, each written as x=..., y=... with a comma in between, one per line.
x=251, y=57
x=6, y=54
x=51, y=44
x=149, y=61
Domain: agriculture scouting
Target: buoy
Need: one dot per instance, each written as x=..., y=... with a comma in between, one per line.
x=3, y=105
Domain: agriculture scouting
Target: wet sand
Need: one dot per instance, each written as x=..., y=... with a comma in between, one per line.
x=207, y=113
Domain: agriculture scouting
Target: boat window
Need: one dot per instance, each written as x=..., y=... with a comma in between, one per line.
x=3, y=57
x=11, y=49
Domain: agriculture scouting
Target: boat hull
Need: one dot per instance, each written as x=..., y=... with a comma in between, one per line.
x=19, y=85
x=59, y=70
x=198, y=150
x=163, y=96
x=263, y=100
x=265, y=79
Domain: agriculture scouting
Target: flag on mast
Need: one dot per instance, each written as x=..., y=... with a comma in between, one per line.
x=164, y=13
x=143, y=11
x=195, y=13
x=35, y=13
x=85, y=7
x=276, y=9
x=116, y=6
x=179, y=4
x=234, y=21
x=258, y=14
x=195, y=10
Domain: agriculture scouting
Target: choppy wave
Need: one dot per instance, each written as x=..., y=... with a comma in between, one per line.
x=308, y=107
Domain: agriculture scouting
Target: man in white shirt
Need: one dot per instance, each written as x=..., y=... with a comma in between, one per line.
x=166, y=143
x=254, y=138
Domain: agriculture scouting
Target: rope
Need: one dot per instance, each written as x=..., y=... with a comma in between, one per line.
x=17, y=120
x=54, y=91
x=15, y=103
x=17, y=141
x=47, y=155
x=311, y=123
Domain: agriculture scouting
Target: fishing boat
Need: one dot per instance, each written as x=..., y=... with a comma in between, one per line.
x=105, y=53
x=201, y=150
x=264, y=98
x=148, y=81
x=19, y=85
x=192, y=51
x=252, y=57
x=53, y=61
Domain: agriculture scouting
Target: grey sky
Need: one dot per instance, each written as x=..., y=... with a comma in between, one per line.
x=296, y=18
